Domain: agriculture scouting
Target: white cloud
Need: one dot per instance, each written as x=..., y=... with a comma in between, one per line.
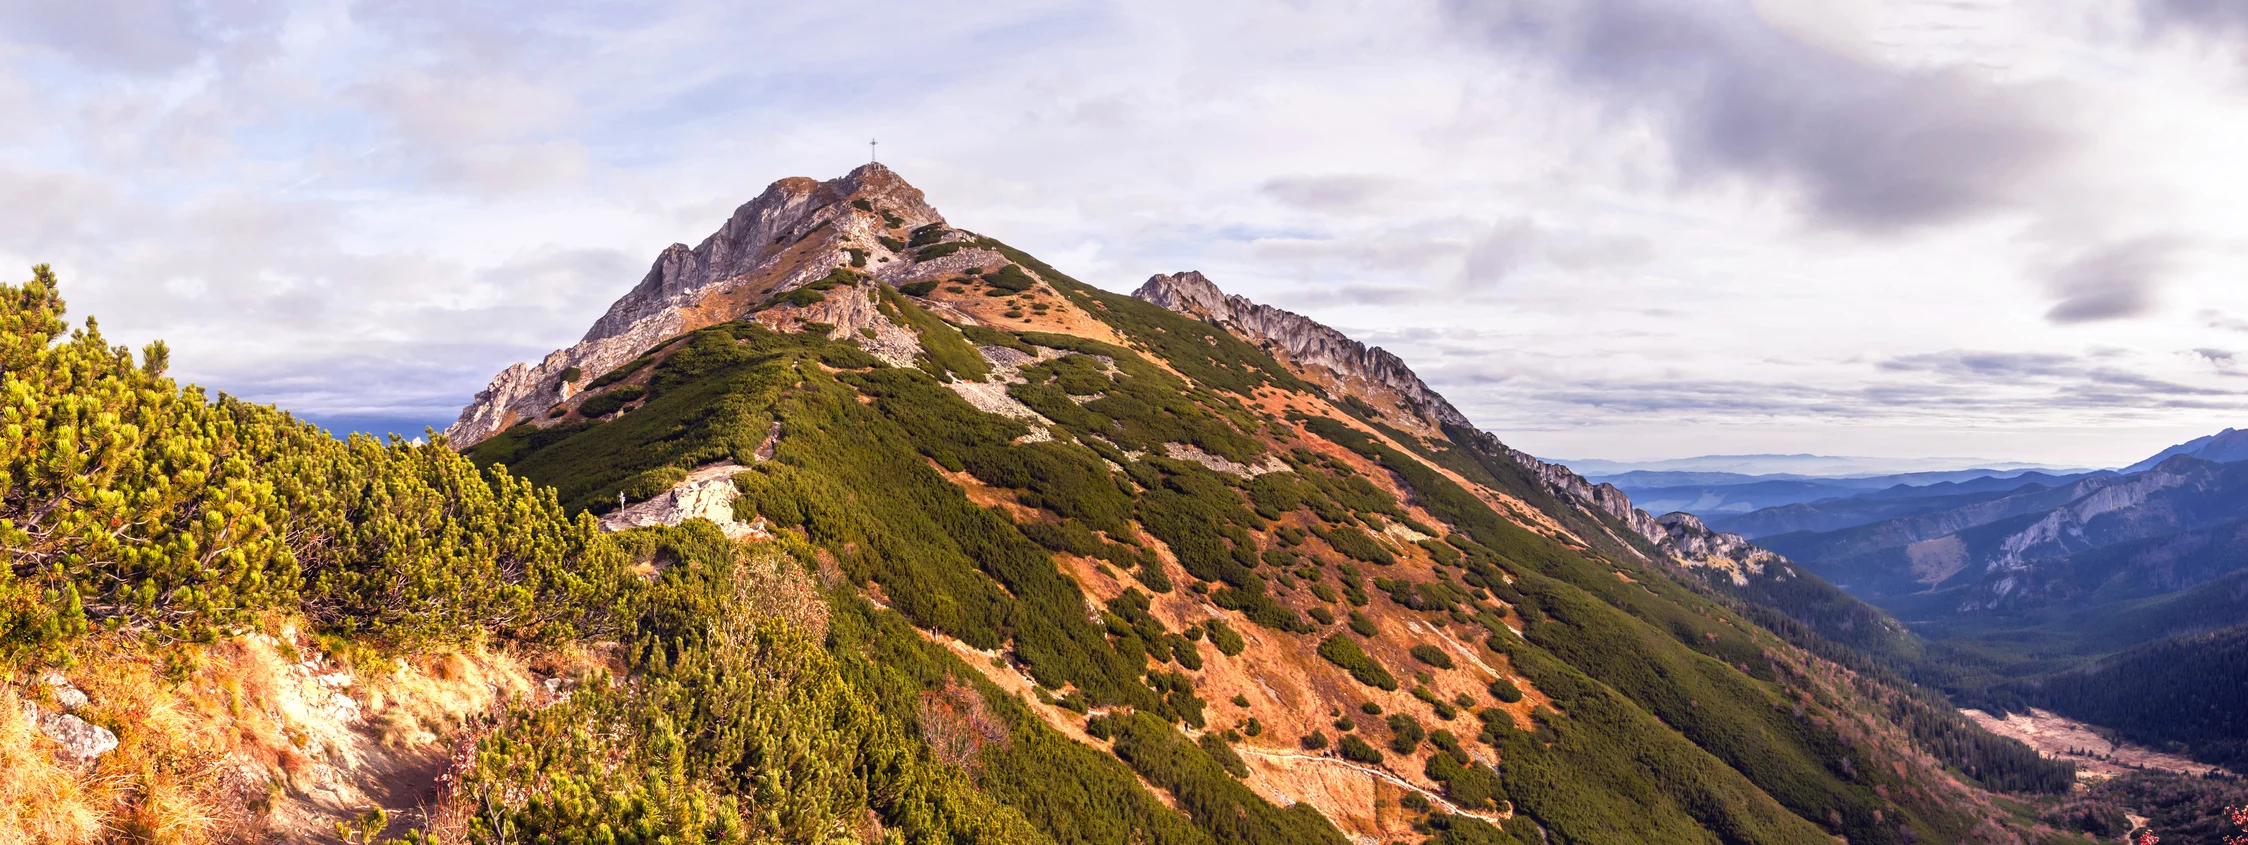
x=1730, y=231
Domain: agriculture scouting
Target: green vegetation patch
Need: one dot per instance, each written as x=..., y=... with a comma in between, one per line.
x=944, y=351
x=1343, y=651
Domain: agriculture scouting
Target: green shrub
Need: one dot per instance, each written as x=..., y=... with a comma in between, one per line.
x=929, y=234
x=1228, y=641
x=1355, y=544
x=802, y=297
x=1361, y=623
x=858, y=256
x=1432, y=655
x=571, y=375
x=652, y=483
x=1343, y=651
x=1010, y=278
x=987, y=336
x=934, y=252
x=862, y=205
x=1405, y=734
x=1505, y=691
x=944, y=350
x=1313, y=741
x=1220, y=751
x=139, y=504
x=1358, y=751
x=921, y=288
x=604, y=404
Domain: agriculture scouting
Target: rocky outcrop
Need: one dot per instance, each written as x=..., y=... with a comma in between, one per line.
x=1371, y=372
x=76, y=738
x=708, y=493
x=794, y=233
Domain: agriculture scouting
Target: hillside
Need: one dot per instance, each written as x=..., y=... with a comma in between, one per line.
x=853, y=525
x=1187, y=463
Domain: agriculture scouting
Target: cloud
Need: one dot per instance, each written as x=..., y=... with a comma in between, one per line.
x=2111, y=281
x=2201, y=16
x=2222, y=321
x=2082, y=377
x=459, y=108
x=1337, y=194
x=1499, y=250
x=138, y=36
x=1984, y=365
x=1863, y=146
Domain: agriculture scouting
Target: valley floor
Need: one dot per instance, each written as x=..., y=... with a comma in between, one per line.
x=2096, y=755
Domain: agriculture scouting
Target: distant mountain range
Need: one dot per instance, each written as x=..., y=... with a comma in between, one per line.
x=1800, y=466
x=2224, y=446
x=2081, y=592
x=1725, y=498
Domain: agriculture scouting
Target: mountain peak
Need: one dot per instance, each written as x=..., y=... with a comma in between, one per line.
x=794, y=233
x=1187, y=292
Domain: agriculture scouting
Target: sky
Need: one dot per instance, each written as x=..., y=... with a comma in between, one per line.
x=1620, y=229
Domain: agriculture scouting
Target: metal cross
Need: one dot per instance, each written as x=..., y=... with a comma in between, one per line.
x=870, y=151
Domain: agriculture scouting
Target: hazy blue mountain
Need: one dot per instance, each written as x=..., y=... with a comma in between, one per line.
x=1756, y=506
x=1851, y=508
x=1804, y=466
x=2224, y=446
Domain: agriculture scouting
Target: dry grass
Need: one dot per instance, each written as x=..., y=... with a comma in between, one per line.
x=41, y=799
x=250, y=738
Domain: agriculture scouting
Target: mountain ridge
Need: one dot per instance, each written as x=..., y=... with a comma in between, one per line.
x=992, y=449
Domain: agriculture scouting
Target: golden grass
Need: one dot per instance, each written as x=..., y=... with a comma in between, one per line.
x=224, y=742
x=41, y=799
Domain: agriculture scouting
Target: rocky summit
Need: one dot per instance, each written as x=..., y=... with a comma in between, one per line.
x=792, y=235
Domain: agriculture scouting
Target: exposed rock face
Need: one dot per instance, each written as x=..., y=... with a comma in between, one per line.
x=79, y=740
x=1375, y=375
x=708, y=493
x=1191, y=453
x=1361, y=370
x=794, y=233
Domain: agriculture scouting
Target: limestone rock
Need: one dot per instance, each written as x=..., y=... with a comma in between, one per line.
x=708, y=493
x=80, y=740
x=68, y=697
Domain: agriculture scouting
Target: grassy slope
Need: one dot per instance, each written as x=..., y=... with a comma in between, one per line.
x=1671, y=724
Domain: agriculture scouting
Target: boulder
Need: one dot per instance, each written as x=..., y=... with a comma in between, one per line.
x=80, y=740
